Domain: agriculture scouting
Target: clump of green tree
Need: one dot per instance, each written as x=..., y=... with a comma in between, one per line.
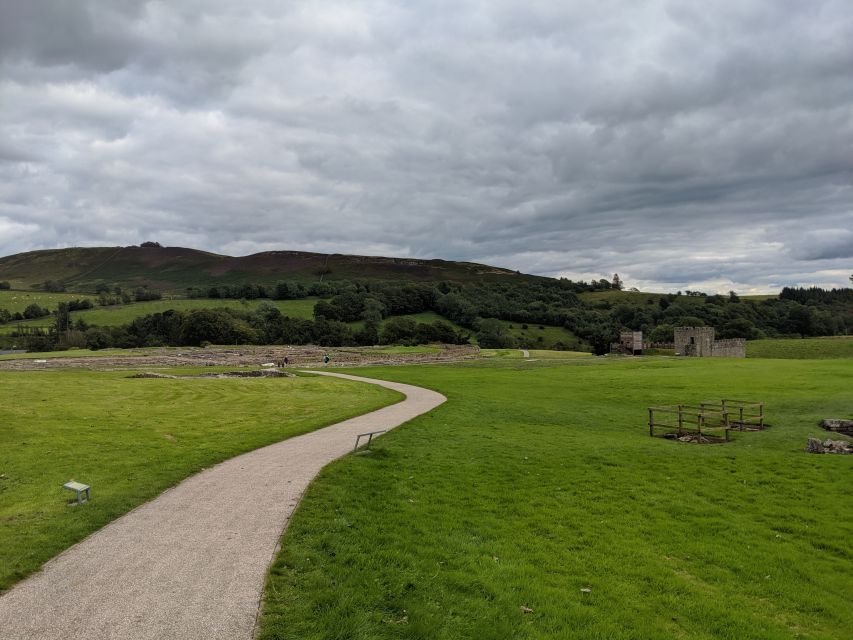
x=377, y=305
x=53, y=286
x=264, y=325
x=143, y=294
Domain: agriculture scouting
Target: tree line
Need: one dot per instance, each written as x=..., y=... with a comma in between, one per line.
x=263, y=325
x=476, y=308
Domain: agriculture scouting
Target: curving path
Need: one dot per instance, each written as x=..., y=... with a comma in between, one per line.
x=191, y=563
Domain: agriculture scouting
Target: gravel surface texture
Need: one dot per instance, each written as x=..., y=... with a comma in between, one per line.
x=191, y=563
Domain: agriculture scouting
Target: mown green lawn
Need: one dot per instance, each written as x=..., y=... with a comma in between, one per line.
x=535, y=354
x=837, y=347
x=132, y=438
x=558, y=355
x=533, y=504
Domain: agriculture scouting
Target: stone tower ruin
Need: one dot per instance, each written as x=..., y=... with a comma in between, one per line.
x=694, y=341
x=698, y=342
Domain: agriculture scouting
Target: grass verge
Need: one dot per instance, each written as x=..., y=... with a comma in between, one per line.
x=131, y=439
x=807, y=348
x=533, y=504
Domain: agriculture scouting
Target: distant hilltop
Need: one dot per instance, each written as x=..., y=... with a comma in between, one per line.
x=176, y=268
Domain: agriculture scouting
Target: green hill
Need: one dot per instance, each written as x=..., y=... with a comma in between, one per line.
x=176, y=268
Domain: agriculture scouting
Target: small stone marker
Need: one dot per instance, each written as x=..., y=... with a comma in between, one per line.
x=80, y=489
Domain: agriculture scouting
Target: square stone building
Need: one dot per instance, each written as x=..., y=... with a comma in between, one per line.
x=698, y=342
x=630, y=343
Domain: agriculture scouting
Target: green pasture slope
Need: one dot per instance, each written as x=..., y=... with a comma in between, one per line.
x=131, y=439
x=126, y=313
x=546, y=337
x=835, y=347
x=533, y=504
x=17, y=301
x=634, y=297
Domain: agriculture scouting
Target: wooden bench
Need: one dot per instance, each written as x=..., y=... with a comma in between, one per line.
x=80, y=489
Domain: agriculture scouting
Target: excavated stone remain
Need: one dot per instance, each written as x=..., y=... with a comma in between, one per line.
x=829, y=446
x=838, y=425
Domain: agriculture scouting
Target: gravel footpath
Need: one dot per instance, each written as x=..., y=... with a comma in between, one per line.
x=191, y=563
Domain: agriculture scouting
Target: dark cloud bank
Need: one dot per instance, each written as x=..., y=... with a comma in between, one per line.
x=682, y=144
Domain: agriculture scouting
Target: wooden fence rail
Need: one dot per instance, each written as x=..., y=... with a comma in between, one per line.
x=706, y=421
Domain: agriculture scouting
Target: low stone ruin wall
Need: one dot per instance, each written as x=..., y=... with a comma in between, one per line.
x=732, y=348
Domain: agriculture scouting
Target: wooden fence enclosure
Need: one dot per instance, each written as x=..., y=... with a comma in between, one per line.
x=707, y=421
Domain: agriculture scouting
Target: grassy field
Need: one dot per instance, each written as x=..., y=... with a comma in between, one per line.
x=635, y=297
x=544, y=338
x=17, y=301
x=424, y=348
x=112, y=316
x=535, y=354
x=533, y=504
x=542, y=354
x=124, y=314
x=632, y=297
x=838, y=347
x=426, y=317
x=131, y=439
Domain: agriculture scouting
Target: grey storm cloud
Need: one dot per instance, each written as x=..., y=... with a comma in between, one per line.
x=682, y=145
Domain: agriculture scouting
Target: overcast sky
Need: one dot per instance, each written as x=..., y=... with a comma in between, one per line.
x=682, y=144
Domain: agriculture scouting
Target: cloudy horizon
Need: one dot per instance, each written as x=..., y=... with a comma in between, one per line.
x=683, y=146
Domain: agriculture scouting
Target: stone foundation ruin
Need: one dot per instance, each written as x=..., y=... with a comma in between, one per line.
x=829, y=446
x=838, y=425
